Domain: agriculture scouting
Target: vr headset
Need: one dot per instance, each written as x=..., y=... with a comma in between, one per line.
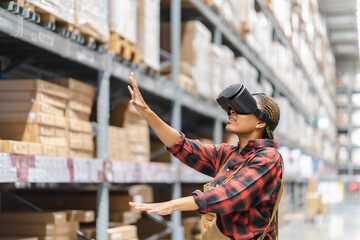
x=239, y=99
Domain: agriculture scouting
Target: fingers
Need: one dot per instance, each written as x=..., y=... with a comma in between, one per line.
x=131, y=92
x=133, y=82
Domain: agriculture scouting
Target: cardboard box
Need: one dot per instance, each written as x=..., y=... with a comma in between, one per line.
x=19, y=117
x=75, y=125
x=313, y=204
x=60, y=122
x=122, y=233
x=121, y=203
x=192, y=228
x=145, y=191
x=125, y=217
x=312, y=185
x=85, y=98
x=49, y=150
x=75, y=85
x=80, y=216
x=35, y=148
x=28, y=96
x=18, y=238
x=33, y=217
x=81, y=154
x=69, y=113
x=27, y=106
x=10, y=129
x=62, y=151
x=8, y=146
x=78, y=106
x=36, y=85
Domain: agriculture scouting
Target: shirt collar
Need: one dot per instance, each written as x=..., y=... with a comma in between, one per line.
x=257, y=144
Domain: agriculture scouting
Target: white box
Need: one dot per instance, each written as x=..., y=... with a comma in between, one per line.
x=123, y=18
x=148, y=32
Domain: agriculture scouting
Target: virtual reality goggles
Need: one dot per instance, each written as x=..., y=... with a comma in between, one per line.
x=239, y=99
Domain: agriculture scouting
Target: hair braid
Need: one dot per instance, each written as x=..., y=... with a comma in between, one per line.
x=268, y=105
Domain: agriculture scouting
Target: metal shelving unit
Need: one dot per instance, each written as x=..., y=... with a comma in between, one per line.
x=110, y=69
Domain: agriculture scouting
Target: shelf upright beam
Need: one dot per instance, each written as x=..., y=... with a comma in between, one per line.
x=218, y=130
x=175, y=21
x=103, y=108
x=350, y=109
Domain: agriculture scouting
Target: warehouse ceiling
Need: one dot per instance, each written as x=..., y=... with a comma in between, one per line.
x=341, y=21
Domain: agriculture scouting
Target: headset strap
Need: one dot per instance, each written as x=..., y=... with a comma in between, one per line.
x=263, y=117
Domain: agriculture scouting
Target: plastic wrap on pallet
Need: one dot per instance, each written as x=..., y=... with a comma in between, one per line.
x=63, y=10
x=148, y=32
x=91, y=17
x=123, y=18
x=195, y=51
x=216, y=56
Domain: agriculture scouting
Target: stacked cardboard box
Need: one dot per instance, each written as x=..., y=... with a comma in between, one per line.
x=34, y=111
x=123, y=18
x=148, y=32
x=41, y=225
x=135, y=133
x=78, y=110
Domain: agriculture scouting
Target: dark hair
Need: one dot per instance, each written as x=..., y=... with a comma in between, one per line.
x=269, y=106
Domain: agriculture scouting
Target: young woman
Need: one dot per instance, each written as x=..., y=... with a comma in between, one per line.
x=239, y=202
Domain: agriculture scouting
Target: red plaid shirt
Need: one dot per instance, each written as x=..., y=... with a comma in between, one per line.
x=243, y=204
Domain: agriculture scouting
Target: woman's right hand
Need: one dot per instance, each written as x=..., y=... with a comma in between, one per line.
x=136, y=98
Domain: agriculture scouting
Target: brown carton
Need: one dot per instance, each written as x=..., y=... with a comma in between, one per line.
x=26, y=96
x=8, y=146
x=33, y=217
x=123, y=232
x=35, y=148
x=75, y=125
x=18, y=238
x=86, y=127
x=37, y=106
x=22, y=117
x=84, y=98
x=62, y=151
x=145, y=191
x=76, y=85
x=49, y=150
x=78, y=106
x=69, y=113
x=35, y=85
x=83, y=216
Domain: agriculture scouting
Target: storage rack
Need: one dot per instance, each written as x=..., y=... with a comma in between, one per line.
x=110, y=71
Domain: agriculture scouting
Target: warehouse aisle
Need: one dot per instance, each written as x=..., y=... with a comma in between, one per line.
x=343, y=223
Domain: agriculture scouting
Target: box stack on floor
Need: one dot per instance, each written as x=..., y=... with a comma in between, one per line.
x=44, y=117
x=85, y=201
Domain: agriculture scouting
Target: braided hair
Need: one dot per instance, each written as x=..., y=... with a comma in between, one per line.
x=268, y=105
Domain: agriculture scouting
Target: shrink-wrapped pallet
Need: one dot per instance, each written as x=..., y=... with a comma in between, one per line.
x=123, y=18
x=62, y=10
x=216, y=56
x=91, y=17
x=195, y=51
x=148, y=32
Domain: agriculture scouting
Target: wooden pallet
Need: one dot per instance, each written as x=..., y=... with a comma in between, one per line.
x=124, y=48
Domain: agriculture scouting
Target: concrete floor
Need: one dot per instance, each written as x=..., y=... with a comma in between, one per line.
x=342, y=223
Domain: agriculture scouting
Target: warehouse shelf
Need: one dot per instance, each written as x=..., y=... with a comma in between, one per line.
x=282, y=141
x=46, y=169
x=17, y=27
x=281, y=35
x=236, y=40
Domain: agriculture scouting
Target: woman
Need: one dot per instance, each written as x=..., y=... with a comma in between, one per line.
x=239, y=202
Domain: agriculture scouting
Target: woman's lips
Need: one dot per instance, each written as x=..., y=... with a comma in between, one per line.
x=230, y=120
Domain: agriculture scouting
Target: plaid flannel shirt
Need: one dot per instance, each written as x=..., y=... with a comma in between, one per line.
x=243, y=204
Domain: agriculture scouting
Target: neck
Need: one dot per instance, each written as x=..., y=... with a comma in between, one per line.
x=244, y=139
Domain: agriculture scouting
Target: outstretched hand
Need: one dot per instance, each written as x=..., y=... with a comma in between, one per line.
x=136, y=98
x=164, y=208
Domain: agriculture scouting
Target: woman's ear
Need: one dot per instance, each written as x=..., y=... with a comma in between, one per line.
x=260, y=125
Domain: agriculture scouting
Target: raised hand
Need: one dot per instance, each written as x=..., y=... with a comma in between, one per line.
x=136, y=98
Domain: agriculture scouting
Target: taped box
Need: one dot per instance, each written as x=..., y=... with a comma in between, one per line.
x=32, y=96
x=28, y=106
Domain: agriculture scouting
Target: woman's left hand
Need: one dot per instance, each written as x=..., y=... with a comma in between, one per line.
x=164, y=208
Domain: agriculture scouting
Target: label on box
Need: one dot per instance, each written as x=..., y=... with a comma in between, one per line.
x=5, y=160
x=8, y=175
x=51, y=162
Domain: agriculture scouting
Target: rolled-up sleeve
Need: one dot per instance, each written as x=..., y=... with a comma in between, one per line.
x=201, y=157
x=260, y=178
